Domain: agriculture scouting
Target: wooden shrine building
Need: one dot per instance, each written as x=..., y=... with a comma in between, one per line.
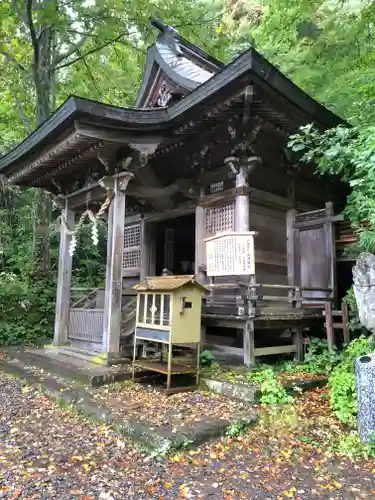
x=203, y=151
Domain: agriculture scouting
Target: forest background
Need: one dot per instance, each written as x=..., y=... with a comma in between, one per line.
x=50, y=49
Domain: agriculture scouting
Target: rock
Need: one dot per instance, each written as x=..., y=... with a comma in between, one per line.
x=364, y=289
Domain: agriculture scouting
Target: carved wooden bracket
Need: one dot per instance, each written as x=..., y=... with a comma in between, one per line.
x=145, y=151
x=109, y=181
x=60, y=201
x=107, y=160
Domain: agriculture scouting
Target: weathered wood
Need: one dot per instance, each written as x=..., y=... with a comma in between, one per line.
x=269, y=257
x=256, y=195
x=200, y=247
x=113, y=288
x=298, y=342
x=290, y=240
x=242, y=202
x=331, y=248
x=279, y=349
x=64, y=278
x=345, y=322
x=123, y=136
x=329, y=326
x=313, y=254
x=249, y=344
x=97, y=192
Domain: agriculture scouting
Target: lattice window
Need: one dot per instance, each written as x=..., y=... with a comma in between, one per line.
x=132, y=247
x=219, y=219
x=132, y=236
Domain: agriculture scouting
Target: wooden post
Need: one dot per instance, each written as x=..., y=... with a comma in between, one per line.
x=115, y=247
x=290, y=218
x=298, y=342
x=200, y=234
x=249, y=343
x=329, y=325
x=169, y=375
x=345, y=323
x=242, y=224
x=64, y=278
x=242, y=203
x=331, y=250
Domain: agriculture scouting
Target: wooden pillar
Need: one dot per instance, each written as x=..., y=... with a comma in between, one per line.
x=115, y=249
x=242, y=203
x=298, y=342
x=200, y=249
x=64, y=278
x=345, y=323
x=249, y=343
x=290, y=219
x=329, y=326
x=242, y=224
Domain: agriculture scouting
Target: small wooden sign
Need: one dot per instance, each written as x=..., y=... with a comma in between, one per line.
x=230, y=254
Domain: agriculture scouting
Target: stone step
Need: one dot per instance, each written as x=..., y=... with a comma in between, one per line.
x=77, y=352
x=87, y=356
x=66, y=367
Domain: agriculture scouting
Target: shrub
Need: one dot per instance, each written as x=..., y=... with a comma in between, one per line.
x=343, y=384
x=26, y=310
x=272, y=390
x=318, y=359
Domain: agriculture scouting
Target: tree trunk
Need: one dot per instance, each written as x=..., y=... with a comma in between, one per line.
x=45, y=97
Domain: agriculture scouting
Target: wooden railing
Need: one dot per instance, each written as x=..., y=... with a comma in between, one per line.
x=293, y=295
x=86, y=324
x=81, y=296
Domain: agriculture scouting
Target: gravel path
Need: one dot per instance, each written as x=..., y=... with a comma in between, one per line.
x=48, y=453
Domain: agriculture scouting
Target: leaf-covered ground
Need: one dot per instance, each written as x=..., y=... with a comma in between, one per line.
x=178, y=412
x=48, y=453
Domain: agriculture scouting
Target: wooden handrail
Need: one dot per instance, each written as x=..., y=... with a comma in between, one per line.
x=240, y=284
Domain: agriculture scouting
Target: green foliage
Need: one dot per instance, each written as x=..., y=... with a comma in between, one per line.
x=350, y=446
x=27, y=305
x=318, y=359
x=26, y=310
x=272, y=391
x=342, y=381
x=327, y=48
x=206, y=358
x=349, y=154
x=236, y=429
x=98, y=51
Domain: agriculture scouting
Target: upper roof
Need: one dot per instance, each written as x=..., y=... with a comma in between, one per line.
x=75, y=146
x=174, y=67
x=169, y=283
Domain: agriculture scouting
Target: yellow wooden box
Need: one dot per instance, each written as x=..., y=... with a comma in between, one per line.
x=169, y=309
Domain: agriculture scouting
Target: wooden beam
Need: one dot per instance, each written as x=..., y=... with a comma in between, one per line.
x=121, y=136
x=115, y=249
x=64, y=278
x=279, y=349
x=97, y=192
x=200, y=246
x=256, y=196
